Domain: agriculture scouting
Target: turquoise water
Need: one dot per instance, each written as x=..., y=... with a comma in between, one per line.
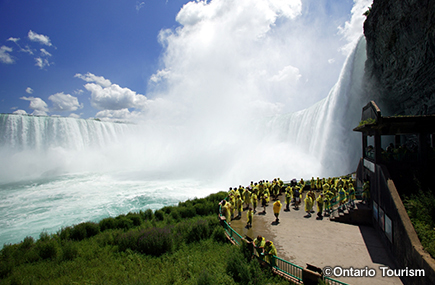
x=28, y=208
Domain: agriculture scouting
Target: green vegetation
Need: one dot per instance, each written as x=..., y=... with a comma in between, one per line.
x=421, y=211
x=369, y=121
x=182, y=244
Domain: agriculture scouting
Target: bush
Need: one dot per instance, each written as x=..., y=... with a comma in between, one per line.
x=64, y=233
x=155, y=241
x=70, y=251
x=238, y=268
x=27, y=242
x=135, y=218
x=78, y=232
x=124, y=223
x=218, y=234
x=147, y=215
x=108, y=223
x=199, y=230
x=187, y=212
x=127, y=241
x=159, y=215
x=48, y=249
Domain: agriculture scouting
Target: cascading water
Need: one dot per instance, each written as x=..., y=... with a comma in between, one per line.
x=61, y=171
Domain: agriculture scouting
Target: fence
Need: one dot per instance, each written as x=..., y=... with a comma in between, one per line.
x=283, y=267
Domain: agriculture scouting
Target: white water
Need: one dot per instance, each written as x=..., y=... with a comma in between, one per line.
x=57, y=172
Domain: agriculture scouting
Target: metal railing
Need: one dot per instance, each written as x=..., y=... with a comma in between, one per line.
x=279, y=264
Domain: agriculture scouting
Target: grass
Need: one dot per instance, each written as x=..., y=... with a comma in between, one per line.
x=182, y=244
x=421, y=211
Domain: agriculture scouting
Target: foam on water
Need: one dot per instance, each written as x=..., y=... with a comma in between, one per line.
x=56, y=172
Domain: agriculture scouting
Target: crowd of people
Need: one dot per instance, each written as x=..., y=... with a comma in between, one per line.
x=324, y=193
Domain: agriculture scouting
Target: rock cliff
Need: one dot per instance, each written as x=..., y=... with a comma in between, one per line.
x=400, y=66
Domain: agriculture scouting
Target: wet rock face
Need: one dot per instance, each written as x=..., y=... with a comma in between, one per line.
x=400, y=66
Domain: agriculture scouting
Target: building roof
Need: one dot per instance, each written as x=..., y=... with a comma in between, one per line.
x=372, y=122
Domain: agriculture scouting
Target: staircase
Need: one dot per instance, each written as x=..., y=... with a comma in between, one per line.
x=361, y=214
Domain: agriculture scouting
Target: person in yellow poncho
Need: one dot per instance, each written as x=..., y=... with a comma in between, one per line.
x=239, y=205
x=270, y=252
x=259, y=243
x=319, y=201
x=276, y=209
x=254, y=201
x=250, y=218
x=288, y=197
x=308, y=205
x=226, y=211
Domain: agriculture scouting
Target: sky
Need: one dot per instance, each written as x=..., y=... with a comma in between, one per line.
x=131, y=60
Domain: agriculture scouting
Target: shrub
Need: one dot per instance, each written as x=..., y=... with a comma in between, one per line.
x=218, y=234
x=175, y=214
x=108, y=223
x=69, y=251
x=64, y=233
x=187, y=212
x=78, y=232
x=205, y=278
x=92, y=229
x=238, y=268
x=124, y=223
x=135, y=218
x=48, y=249
x=127, y=240
x=27, y=242
x=199, y=230
x=155, y=241
x=147, y=215
x=44, y=236
x=159, y=215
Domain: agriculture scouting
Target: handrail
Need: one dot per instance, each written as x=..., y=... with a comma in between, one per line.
x=279, y=264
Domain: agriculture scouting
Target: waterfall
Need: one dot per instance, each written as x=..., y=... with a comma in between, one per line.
x=317, y=141
x=324, y=131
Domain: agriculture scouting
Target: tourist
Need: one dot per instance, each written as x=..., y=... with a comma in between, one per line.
x=320, y=202
x=259, y=243
x=250, y=217
x=270, y=252
x=308, y=205
x=276, y=209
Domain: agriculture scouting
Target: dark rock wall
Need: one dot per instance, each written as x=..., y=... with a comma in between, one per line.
x=400, y=66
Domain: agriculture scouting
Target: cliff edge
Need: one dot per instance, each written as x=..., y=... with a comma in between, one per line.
x=400, y=66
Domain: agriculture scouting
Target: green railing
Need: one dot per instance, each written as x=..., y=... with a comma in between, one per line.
x=233, y=234
x=279, y=264
x=288, y=268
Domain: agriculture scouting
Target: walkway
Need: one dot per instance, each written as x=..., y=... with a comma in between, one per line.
x=321, y=242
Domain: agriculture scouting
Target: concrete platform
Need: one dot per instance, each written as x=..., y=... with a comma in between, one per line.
x=321, y=243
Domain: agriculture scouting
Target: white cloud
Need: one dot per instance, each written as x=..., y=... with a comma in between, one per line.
x=73, y=115
x=42, y=62
x=44, y=52
x=78, y=91
x=353, y=29
x=20, y=112
x=5, y=57
x=64, y=102
x=288, y=73
x=42, y=39
x=38, y=106
x=89, y=77
x=114, y=97
x=108, y=96
x=29, y=90
x=139, y=5
x=160, y=75
x=12, y=39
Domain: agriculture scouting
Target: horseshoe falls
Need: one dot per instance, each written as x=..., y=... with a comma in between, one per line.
x=56, y=172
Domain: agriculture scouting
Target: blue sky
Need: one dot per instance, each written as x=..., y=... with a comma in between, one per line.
x=126, y=59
